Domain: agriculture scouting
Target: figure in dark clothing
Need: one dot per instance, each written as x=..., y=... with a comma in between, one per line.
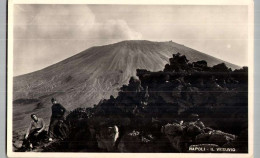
x=57, y=117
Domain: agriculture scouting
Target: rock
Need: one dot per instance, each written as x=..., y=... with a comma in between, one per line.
x=207, y=129
x=135, y=84
x=179, y=59
x=17, y=145
x=240, y=143
x=176, y=92
x=136, y=142
x=107, y=137
x=202, y=138
x=130, y=142
x=220, y=138
x=200, y=65
x=220, y=68
x=215, y=137
x=193, y=130
x=176, y=142
x=200, y=124
x=172, y=129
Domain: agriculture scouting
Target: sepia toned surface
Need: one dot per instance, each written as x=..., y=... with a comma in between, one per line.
x=119, y=61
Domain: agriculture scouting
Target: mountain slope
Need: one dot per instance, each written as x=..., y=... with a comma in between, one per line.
x=92, y=75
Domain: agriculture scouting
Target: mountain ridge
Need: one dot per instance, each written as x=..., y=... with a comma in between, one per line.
x=125, y=42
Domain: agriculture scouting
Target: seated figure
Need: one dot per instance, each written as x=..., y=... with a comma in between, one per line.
x=35, y=132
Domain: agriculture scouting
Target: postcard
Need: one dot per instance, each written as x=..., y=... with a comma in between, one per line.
x=130, y=78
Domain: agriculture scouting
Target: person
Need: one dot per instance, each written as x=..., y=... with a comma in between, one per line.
x=35, y=131
x=57, y=117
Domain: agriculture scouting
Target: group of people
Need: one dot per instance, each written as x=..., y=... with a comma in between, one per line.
x=36, y=129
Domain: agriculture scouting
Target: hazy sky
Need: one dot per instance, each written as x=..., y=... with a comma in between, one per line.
x=46, y=34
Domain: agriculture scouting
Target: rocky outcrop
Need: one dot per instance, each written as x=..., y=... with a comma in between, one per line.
x=194, y=134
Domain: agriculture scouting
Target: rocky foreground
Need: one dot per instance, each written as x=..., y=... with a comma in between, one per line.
x=187, y=107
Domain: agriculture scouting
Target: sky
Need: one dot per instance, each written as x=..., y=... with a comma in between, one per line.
x=45, y=34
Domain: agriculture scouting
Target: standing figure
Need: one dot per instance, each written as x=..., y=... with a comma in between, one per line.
x=57, y=117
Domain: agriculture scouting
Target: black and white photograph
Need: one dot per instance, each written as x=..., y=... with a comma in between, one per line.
x=93, y=78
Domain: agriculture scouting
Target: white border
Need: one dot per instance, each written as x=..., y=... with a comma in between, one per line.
x=10, y=153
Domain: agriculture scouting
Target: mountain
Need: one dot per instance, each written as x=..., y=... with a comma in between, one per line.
x=92, y=75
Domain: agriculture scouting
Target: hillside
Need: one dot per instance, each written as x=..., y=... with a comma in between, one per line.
x=92, y=75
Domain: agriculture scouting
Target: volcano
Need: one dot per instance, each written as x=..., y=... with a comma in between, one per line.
x=93, y=75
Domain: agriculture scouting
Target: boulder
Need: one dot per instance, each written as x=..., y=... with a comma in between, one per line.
x=177, y=142
x=202, y=138
x=220, y=138
x=135, y=141
x=221, y=68
x=172, y=129
x=107, y=138
x=200, y=65
x=215, y=137
x=193, y=130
